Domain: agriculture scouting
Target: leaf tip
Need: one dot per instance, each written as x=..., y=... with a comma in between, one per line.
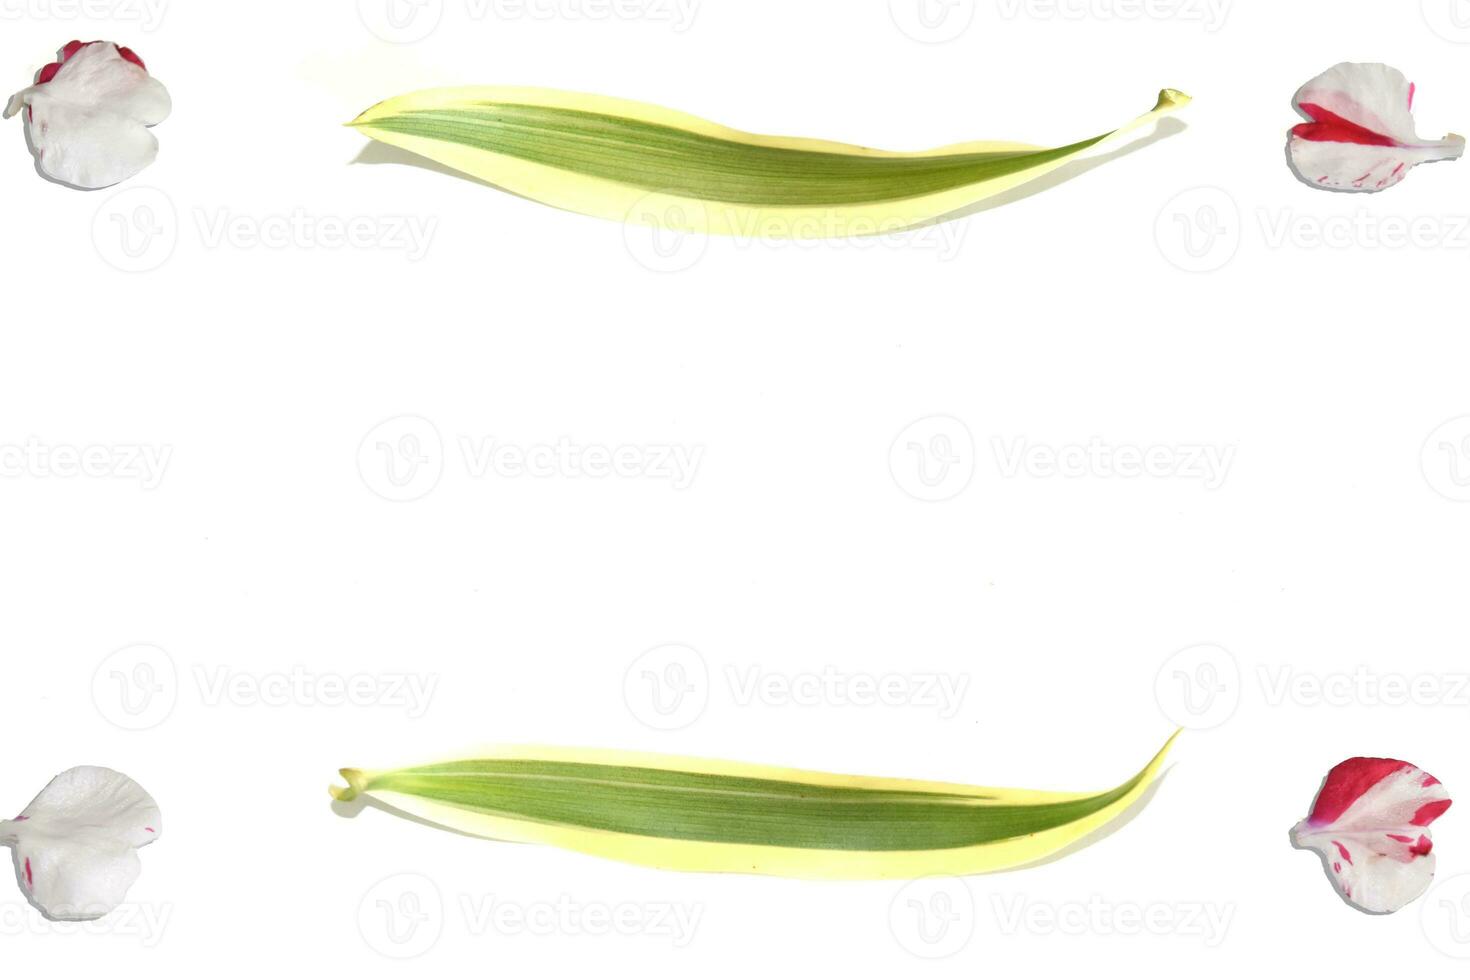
x=356, y=783
x=1172, y=98
x=1158, y=760
x=369, y=115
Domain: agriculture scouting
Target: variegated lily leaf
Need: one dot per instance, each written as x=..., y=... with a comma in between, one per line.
x=701, y=815
x=629, y=161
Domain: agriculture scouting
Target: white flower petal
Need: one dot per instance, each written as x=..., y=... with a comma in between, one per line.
x=88, y=148
x=89, y=123
x=76, y=844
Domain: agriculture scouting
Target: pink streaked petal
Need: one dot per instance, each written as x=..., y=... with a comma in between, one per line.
x=1430, y=812
x=76, y=853
x=1360, y=135
x=1347, y=783
x=1367, y=822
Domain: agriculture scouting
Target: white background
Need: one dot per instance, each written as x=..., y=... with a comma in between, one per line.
x=261, y=361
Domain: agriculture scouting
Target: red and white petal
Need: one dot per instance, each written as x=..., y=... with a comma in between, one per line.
x=1370, y=825
x=1360, y=134
x=76, y=844
x=100, y=74
x=88, y=115
x=1375, y=98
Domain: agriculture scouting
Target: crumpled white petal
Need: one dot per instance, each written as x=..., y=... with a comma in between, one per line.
x=1361, y=135
x=1370, y=823
x=76, y=845
x=88, y=124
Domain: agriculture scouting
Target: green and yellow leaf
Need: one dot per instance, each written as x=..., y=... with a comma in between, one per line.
x=628, y=161
x=699, y=815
